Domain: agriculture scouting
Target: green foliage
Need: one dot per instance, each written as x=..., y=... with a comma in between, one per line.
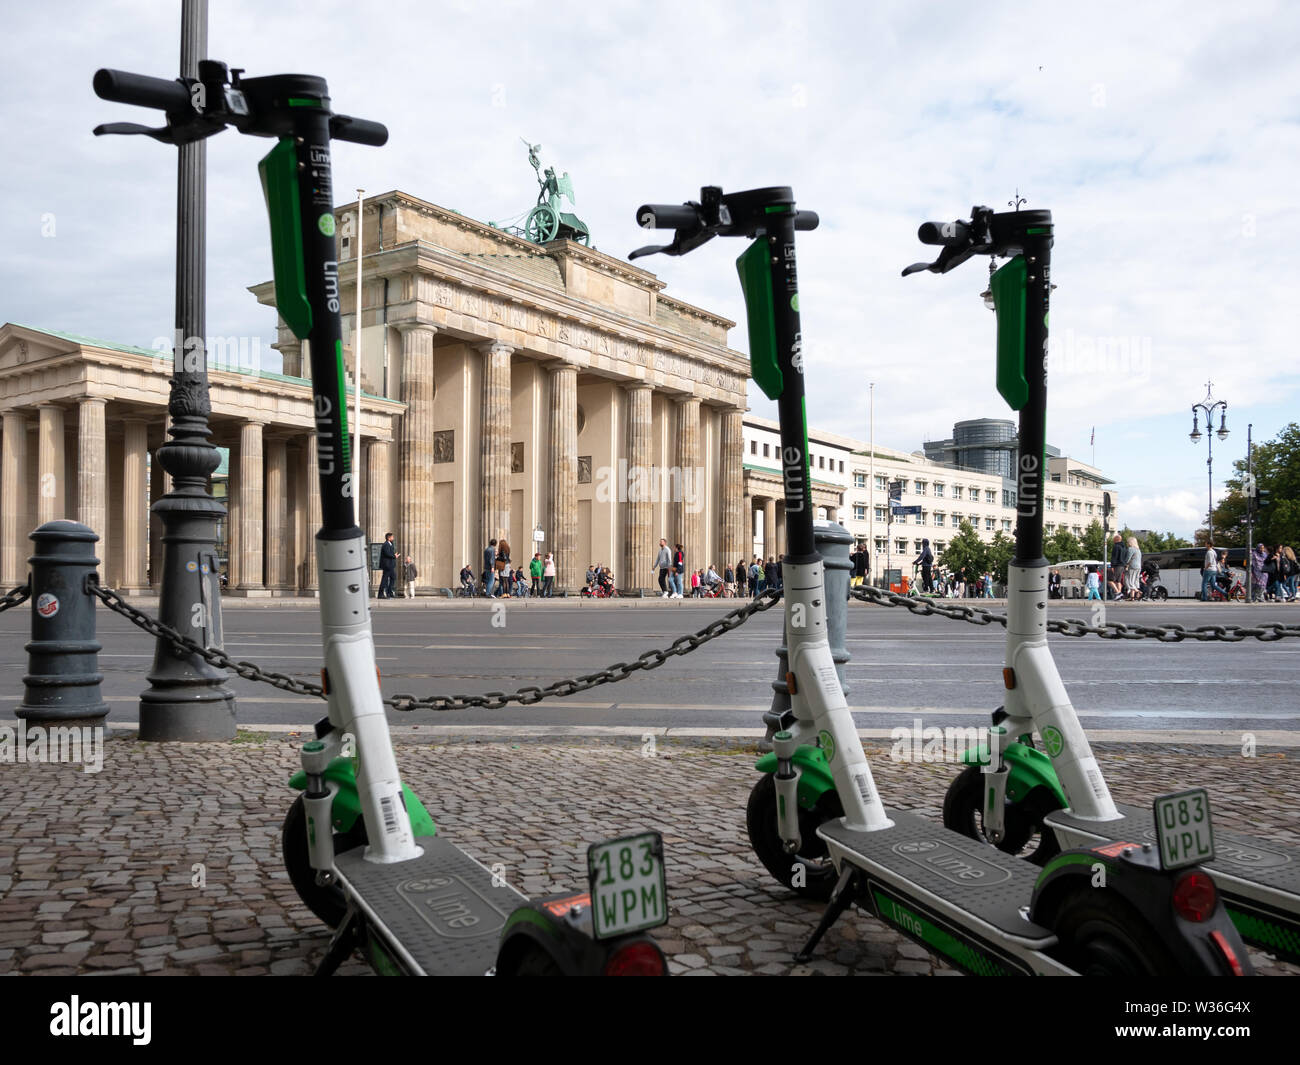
x=999, y=555
x=1062, y=546
x=966, y=551
x=1276, y=468
x=1161, y=542
x=1093, y=545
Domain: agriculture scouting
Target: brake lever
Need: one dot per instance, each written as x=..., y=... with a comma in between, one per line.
x=949, y=259
x=684, y=240
x=162, y=133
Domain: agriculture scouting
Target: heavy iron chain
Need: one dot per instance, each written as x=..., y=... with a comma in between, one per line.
x=1111, y=630
x=183, y=645
x=15, y=596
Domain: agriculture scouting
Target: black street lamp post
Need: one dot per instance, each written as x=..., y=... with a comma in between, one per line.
x=1209, y=405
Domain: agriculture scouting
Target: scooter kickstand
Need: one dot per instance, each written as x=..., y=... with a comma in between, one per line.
x=346, y=939
x=841, y=898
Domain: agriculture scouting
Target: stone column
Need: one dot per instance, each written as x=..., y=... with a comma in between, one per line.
x=733, y=485
x=378, y=517
x=51, y=492
x=278, y=556
x=291, y=353
x=314, y=518
x=638, y=534
x=769, y=528
x=415, y=472
x=747, y=541
x=251, y=497
x=92, y=471
x=564, y=475
x=494, y=443
x=158, y=479
x=689, y=460
x=13, y=500
x=780, y=527
x=135, y=537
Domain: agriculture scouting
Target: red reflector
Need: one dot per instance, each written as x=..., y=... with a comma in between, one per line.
x=1195, y=897
x=1229, y=955
x=640, y=958
x=1008, y=677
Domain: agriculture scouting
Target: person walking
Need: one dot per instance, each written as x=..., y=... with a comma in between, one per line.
x=926, y=560
x=489, y=568
x=663, y=566
x=861, y=559
x=1114, y=588
x=388, y=568
x=548, y=577
x=1094, y=583
x=1292, y=573
x=503, y=566
x=756, y=580
x=535, y=572
x=742, y=575
x=1209, y=571
x=1133, y=570
x=678, y=573
x=409, y=574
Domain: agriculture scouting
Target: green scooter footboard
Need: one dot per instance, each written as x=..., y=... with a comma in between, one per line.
x=347, y=803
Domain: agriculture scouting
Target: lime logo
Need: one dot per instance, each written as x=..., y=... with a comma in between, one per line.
x=828, y=744
x=326, y=224
x=794, y=302
x=1054, y=740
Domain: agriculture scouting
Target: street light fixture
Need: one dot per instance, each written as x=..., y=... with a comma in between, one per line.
x=1208, y=406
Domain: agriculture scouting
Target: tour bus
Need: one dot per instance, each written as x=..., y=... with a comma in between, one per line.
x=1180, y=570
x=1074, y=576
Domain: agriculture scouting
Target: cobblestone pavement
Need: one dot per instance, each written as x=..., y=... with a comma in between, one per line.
x=98, y=871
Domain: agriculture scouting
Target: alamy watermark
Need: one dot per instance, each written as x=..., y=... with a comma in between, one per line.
x=74, y=744
x=1071, y=354
x=959, y=745
x=194, y=354
x=651, y=484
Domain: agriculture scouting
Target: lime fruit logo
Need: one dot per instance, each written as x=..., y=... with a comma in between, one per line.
x=1054, y=740
x=828, y=744
x=794, y=302
x=326, y=224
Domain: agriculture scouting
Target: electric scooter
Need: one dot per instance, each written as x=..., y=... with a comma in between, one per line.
x=1057, y=796
x=360, y=847
x=1155, y=912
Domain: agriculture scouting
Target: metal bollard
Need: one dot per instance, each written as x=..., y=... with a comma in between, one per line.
x=833, y=543
x=62, y=683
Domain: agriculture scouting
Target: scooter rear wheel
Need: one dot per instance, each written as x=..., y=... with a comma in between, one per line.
x=1103, y=935
x=817, y=875
x=1027, y=835
x=326, y=902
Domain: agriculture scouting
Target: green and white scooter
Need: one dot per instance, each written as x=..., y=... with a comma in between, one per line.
x=1112, y=909
x=1056, y=796
x=360, y=848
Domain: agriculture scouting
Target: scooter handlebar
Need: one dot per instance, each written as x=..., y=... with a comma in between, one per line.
x=667, y=216
x=141, y=90
x=946, y=234
x=806, y=220
x=358, y=130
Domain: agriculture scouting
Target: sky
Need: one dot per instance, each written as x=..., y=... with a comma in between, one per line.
x=1164, y=138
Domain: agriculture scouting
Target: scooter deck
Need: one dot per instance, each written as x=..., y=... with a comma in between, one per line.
x=958, y=897
x=439, y=913
x=1259, y=882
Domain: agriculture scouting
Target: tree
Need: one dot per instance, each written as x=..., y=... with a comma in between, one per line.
x=1161, y=542
x=1062, y=546
x=999, y=555
x=966, y=551
x=1276, y=468
x=1093, y=544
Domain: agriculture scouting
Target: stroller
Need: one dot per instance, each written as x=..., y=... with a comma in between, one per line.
x=1150, y=579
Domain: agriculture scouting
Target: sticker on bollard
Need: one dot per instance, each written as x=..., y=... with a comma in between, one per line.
x=1183, y=828
x=628, y=889
x=47, y=605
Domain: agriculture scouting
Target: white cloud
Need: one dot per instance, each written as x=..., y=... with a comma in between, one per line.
x=1180, y=512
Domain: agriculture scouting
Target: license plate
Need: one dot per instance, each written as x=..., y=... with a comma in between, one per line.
x=1183, y=828
x=628, y=890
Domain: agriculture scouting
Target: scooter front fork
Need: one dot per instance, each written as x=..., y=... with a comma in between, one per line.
x=318, y=801
x=995, y=775
x=786, y=779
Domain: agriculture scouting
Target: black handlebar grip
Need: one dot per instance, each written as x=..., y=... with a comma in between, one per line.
x=141, y=90
x=359, y=130
x=667, y=216
x=806, y=220
x=944, y=233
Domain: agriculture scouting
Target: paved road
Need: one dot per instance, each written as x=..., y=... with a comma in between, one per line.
x=902, y=666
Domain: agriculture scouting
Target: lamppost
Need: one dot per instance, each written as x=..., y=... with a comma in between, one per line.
x=1209, y=405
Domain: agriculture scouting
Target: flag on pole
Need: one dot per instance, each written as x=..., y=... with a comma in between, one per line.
x=1093, y=441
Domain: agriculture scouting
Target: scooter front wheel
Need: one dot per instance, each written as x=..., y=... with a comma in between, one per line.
x=1026, y=833
x=810, y=873
x=326, y=902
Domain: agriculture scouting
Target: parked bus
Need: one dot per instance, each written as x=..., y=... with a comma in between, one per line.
x=1180, y=570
